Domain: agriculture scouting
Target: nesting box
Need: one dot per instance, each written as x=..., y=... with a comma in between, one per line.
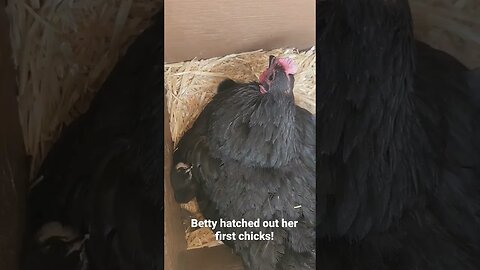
x=63, y=50
x=206, y=42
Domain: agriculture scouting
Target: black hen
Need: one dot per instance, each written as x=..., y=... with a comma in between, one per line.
x=103, y=177
x=251, y=154
x=399, y=145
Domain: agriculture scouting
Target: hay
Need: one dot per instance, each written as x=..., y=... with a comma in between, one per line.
x=63, y=51
x=196, y=238
x=191, y=85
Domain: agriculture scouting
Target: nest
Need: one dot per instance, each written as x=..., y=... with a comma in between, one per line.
x=191, y=85
x=64, y=49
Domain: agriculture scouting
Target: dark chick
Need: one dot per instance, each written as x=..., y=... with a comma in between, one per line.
x=251, y=154
x=183, y=183
x=57, y=247
x=103, y=178
x=399, y=145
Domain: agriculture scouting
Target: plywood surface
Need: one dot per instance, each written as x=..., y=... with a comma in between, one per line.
x=206, y=29
x=214, y=258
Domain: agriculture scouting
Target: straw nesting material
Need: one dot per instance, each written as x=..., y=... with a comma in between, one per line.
x=449, y=25
x=191, y=85
x=63, y=51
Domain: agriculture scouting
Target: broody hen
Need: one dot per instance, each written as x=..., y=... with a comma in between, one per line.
x=97, y=203
x=251, y=154
x=399, y=145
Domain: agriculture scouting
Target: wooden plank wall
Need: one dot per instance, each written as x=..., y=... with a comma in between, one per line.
x=206, y=29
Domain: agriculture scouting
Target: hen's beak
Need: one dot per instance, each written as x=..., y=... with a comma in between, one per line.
x=271, y=59
x=263, y=88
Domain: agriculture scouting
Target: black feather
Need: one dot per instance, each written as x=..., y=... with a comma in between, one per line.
x=399, y=163
x=253, y=156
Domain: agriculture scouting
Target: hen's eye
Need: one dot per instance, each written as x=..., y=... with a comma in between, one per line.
x=270, y=78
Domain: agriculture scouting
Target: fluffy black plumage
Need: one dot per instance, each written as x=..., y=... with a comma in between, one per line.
x=104, y=175
x=253, y=156
x=399, y=145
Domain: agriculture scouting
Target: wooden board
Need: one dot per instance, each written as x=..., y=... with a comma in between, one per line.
x=206, y=29
x=174, y=236
x=13, y=174
x=214, y=258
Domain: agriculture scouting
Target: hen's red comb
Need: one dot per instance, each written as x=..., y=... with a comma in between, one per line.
x=288, y=65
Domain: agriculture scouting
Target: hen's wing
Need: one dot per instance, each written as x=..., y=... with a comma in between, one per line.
x=193, y=153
